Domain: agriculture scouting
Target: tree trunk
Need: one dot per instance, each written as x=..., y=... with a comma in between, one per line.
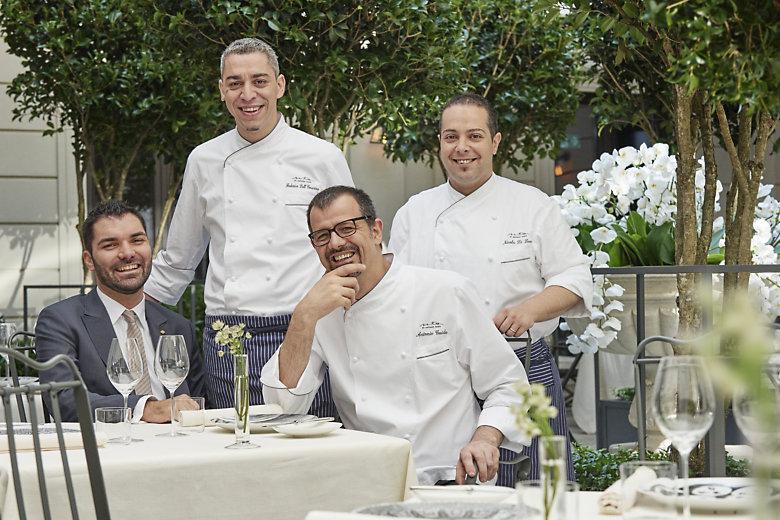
x=686, y=234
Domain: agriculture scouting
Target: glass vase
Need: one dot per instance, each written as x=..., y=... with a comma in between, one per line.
x=241, y=402
x=552, y=476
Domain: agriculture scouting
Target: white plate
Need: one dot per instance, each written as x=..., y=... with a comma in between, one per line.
x=711, y=494
x=457, y=511
x=308, y=429
x=473, y=494
x=262, y=424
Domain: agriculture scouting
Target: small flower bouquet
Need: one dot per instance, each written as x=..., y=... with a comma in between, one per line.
x=231, y=337
x=532, y=418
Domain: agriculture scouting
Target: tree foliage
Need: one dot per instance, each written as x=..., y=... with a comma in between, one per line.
x=97, y=67
x=519, y=55
x=705, y=71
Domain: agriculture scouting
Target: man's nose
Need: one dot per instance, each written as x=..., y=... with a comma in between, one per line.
x=335, y=240
x=462, y=144
x=247, y=91
x=126, y=250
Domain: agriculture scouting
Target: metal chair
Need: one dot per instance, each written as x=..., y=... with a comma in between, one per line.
x=27, y=349
x=87, y=435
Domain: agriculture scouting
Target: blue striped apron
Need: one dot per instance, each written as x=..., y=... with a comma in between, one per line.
x=544, y=371
x=267, y=334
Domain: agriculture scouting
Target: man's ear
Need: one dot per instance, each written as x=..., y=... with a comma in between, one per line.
x=376, y=230
x=281, y=83
x=86, y=257
x=221, y=91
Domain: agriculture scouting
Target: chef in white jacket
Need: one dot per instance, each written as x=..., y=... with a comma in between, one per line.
x=508, y=238
x=409, y=350
x=244, y=197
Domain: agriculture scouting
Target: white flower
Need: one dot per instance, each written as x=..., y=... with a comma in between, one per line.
x=603, y=235
x=614, y=291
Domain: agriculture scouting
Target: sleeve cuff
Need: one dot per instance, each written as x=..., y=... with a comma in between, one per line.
x=502, y=418
x=138, y=409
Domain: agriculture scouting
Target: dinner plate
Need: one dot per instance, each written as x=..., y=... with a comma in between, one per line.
x=451, y=510
x=308, y=429
x=468, y=493
x=712, y=494
x=265, y=423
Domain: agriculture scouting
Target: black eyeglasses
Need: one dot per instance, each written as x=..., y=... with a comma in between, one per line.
x=343, y=229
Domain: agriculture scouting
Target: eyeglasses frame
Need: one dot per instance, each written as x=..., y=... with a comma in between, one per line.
x=367, y=218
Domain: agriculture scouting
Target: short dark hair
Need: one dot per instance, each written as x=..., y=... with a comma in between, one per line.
x=109, y=208
x=477, y=100
x=327, y=196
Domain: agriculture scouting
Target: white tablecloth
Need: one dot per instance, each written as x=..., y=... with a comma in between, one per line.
x=195, y=477
x=588, y=510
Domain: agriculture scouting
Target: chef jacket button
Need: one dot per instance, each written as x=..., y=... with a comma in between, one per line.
x=494, y=217
x=363, y=399
x=490, y=259
x=407, y=436
x=487, y=302
x=408, y=398
x=232, y=239
x=403, y=355
x=268, y=277
x=232, y=312
x=231, y=201
x=275, y=200
x=279, y=160
x=269, y=240
x=354, y=359
x=403, y=308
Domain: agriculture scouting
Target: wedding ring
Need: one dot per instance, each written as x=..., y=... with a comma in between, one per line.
x=512, y=330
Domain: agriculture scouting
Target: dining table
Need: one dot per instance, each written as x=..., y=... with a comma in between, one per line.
x=194, y=477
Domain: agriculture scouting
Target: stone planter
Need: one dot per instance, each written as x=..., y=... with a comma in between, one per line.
x=613, y=424
x=615, y=361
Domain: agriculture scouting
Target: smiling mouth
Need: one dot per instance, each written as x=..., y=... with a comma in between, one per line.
x=128, y=267
x=463, y=162
x=250, y=110
x=338, y=257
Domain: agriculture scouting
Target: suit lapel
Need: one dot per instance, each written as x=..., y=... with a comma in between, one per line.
x=98, y=324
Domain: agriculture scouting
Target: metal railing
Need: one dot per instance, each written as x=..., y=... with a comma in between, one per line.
x=715, y=439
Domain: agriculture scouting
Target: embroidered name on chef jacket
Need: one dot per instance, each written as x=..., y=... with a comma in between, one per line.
x=519, y=237
x=304, y=183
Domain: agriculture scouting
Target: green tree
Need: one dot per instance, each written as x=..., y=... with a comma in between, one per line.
x=706, y=71
x=343, y=60
x=95, y=66
x=522, y=57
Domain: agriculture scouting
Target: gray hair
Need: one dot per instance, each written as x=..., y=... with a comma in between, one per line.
x=329, y=195
x=248, y=46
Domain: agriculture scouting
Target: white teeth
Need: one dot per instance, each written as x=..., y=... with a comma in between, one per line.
x=128, y=267
x=463, y=161
x=342, y=256
x=250, y=110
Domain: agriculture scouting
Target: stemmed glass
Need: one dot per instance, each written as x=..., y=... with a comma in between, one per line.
x=171, y=364
x=7, y=330
x=683, y=408
x=125, y=368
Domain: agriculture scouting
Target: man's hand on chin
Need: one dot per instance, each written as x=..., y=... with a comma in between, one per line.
x=480, y=455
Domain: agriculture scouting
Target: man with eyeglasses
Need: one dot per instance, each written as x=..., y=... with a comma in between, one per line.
x=243, y=197
x=409, y=350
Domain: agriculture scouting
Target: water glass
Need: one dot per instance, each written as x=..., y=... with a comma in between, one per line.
x=558, y=503
x=114, y=423
x=191, y=421
x=637, y=499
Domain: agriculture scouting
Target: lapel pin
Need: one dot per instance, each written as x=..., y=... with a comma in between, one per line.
x=162, y=332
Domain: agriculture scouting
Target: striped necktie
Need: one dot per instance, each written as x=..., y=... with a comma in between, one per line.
x=144, y=386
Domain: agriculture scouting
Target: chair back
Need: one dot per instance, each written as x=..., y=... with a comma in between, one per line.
x=23, y=341
x=52, y=389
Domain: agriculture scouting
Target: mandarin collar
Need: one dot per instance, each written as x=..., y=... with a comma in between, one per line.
x=480, y=193
x=268, y=141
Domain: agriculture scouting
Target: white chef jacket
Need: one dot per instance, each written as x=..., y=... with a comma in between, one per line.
x=247, y=202
x=407, y=360
x=509, y=238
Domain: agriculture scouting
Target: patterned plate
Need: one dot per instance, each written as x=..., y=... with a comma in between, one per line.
x=451, y=510
x=713, y=494
x=264, y=423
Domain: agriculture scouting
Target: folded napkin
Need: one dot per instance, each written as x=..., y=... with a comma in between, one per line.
x=207, y=417
x=616, y=498
x=48, y=438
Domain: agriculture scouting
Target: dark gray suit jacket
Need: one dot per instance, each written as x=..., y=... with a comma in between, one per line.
x=80, y=328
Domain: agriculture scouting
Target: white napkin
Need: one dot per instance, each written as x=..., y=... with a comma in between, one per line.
x=196, y=417
x=615, y=499
x=49, y=441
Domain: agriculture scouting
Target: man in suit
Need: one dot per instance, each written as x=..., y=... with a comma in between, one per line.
x=82, y=327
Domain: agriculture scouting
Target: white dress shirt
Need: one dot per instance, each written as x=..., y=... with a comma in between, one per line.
x=115, y=311
x=247, y=202
x=510, y=239
x=409, y=360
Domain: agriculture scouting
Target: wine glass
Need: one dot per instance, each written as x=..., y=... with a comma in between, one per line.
x=171, y=364
x=7, y=330
x=683, y=408
x=125, y=368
